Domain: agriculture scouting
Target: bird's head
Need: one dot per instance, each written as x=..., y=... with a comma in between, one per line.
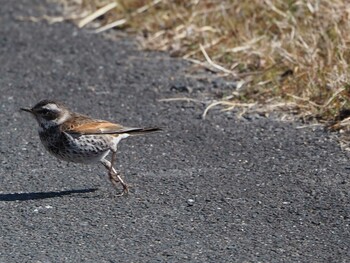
x=49, y=113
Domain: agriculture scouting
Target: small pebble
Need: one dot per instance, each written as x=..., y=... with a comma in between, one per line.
x=190, y=202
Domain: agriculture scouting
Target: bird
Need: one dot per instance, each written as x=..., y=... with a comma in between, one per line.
x=78, y=138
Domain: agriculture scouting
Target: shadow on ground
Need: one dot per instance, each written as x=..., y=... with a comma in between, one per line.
x=42, y=195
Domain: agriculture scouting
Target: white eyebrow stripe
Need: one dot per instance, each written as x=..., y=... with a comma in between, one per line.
x=51, y=106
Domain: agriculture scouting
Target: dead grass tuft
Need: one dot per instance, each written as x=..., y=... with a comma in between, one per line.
x=295, y=52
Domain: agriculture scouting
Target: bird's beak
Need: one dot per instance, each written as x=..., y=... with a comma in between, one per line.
x=27, y=110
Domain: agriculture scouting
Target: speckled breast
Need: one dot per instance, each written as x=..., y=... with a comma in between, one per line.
x=75, y=148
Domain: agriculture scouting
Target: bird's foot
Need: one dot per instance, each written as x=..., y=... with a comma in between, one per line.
x=115, y=180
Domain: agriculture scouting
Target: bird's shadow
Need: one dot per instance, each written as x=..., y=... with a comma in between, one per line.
x=42, y=195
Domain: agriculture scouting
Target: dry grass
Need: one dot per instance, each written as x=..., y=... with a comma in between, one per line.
x=293, y=52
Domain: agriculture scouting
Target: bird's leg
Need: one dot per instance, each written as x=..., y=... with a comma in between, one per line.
x=113, y=175
x=114, y=155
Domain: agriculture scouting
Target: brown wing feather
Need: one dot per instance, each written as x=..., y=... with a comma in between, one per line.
x=81, y=124
x=97, y=128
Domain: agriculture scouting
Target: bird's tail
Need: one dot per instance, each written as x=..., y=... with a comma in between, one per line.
x=139, y=131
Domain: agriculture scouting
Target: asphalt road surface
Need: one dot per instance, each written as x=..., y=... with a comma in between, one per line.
x=221, y=189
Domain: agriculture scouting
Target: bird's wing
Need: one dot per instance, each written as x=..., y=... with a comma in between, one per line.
x=97, y=128
x=84, y=125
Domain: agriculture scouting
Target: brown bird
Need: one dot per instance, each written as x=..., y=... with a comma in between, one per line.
x=74, y=137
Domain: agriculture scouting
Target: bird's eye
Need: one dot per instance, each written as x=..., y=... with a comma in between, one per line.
x=44, y=111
